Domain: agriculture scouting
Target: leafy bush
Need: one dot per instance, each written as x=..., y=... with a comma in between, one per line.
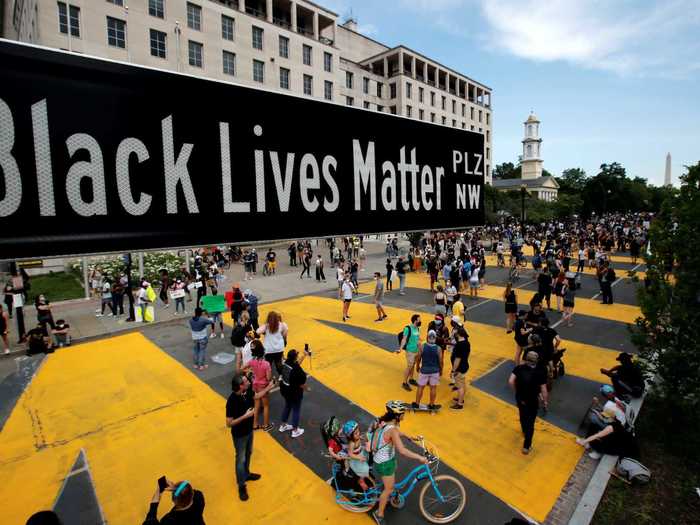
x=152, y=264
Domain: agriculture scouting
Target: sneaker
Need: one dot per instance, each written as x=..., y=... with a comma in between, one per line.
x=298, y=432
x=222, y=336
x=413, y=382
x=7, y=351
x=415, y=405
x=243, y=493
x=285, y=426
x=379, y=319
x=110, y=315
x=456, y=406
x=526, y=451
x=379, y=520
x=99, y=315
x=406, y=387
x=252, y=476
x=212, y=336
x=434, y=407
x=268, y=427
x=595, y=455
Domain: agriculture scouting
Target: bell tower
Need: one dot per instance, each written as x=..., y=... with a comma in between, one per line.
x=532, y=143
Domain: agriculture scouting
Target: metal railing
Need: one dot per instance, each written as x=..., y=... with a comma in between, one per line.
x=255, y=12
x=282, y=23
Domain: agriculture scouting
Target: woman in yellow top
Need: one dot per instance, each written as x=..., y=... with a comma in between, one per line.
x=458, y=308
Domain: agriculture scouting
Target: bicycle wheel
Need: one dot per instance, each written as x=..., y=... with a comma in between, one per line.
x=455, y=499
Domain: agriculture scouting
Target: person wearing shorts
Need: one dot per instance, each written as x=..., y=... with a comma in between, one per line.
x=346, y=291
x=429, y=365
x=410, y=343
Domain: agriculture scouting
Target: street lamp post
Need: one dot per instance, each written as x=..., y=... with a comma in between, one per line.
x=523, y=191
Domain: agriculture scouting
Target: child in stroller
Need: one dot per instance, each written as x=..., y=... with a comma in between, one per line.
x=344, y=477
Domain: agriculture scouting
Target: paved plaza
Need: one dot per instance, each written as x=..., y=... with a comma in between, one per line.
x=91, y=427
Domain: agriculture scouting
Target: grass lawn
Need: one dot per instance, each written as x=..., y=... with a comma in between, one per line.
x=58, y=286
x=671, y=495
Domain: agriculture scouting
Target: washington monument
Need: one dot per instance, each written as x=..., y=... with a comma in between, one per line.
x=667, y=177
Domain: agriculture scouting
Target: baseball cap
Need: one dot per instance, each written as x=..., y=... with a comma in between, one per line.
x=457, y=319
x=432, y=336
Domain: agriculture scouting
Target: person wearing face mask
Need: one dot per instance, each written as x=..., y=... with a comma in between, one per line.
x=442, y=333
x=410, y=342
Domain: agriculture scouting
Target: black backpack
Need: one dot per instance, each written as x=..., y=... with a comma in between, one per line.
x=399, y=336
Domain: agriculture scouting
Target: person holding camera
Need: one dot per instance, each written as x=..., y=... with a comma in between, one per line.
x=188, y=504
x=292, y=386
x=239, y=418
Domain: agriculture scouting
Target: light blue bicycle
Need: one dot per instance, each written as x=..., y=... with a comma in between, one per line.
x=441, y=499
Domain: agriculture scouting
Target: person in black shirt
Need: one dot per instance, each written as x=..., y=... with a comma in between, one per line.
x=292, y=386
x=535, y=316
x=239, y=418
x=460, y=364
x=188, y=506
x=529, y=382
x=544, y=287
x=38, y=340
x=550, y=339
x=627, y=378
x=522, y=331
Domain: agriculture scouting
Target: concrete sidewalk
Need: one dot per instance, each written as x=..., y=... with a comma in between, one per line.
x=80, y=314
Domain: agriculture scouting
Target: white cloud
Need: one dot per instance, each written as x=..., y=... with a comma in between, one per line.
x=627, y=36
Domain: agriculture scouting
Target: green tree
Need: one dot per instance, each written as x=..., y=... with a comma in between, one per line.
x=572, y=180
x=506, y=170
x=668, y=334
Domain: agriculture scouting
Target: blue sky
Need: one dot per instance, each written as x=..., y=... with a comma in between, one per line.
x=611, y=80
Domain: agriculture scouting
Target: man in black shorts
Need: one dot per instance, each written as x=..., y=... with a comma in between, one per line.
x=528, y=382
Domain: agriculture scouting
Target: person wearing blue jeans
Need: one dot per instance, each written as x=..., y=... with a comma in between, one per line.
x=292, y=386
x=401, y=272
x=200, y=337
x=239, y=418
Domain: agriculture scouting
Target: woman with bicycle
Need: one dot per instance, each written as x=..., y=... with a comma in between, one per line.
x=385, y=440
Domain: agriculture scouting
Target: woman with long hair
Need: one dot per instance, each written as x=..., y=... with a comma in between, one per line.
x=511, y=302
x=385, y=441
x=568, y=294
x=275, y=332
x=292, y=386
x=558, y=287
x=262, y=377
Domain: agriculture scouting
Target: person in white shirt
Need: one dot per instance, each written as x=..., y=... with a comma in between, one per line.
x=346, y=291
x=340, y=275
x=612, y=405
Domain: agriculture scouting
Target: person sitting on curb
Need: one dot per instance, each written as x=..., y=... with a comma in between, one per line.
x=614, y=439
x=627, y=377
x=188, y=505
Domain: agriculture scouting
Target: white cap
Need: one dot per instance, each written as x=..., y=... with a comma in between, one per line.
x=457, y=319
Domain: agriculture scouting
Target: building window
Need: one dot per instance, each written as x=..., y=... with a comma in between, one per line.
x=156, y=8
x=258, y=71
x=487, y=119
x=284, y=78
x=432, y=117
x=306, y=54
x=365, y=85
x=409, y=112
x=444, y=120
x=480, y=112
x=348, y=80
x=392, y=110
x=454, y=106
x=327, y=61
x=195, y=53
x=308, y=85
x=116, y=32
x=328, y=90
x=464, y=125
x=349, y=101
x=284, y=46
x=194, y=16
x=444, y=103
x=488, y=153
x=69, y=15
x=392, y=90
x=158, y=44
x=421, y=92
x=420, y=114
x=432, y=98
x=228, y=27
x=454, y=123
x=257, y=38
x=464, y=110
x=380, y=108
x=472, y=128
x=471, y=113
x=488, y=136
x=481, y=130
x=229, y=60
x=365, y=104
x=408, y=90
x=379, y=89
x=116, y=2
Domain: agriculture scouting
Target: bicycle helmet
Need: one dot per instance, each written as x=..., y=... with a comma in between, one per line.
x=349, y=427
x=396, y=407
